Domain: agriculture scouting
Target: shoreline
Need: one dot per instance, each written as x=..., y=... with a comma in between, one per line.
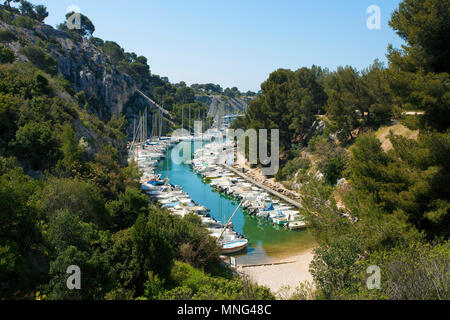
x=286, y=272
x=256, y=174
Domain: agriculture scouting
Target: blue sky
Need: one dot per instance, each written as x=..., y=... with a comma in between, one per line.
x=238, y=42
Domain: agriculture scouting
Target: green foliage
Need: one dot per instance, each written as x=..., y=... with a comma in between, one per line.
x=104, y=172
x=41, y=85
x=420, y=71
x=41, y=12
x=69, y=147
x=80, y=198
x=417, y=272
x=208, y=87
x=330, y=266
x=332, y=169
x=8, y=126
x=358, y=99
x=35, y=145
x=19, y=231
x=192, y=284
x=125, y=211
x=184, y=95
x=6, y=55
x=292, y=167
x=24, y=22
x=113, y=51
x=40, y=59
x=424, y=25
x=154, y=251
x=7, y=36
x=289, y=102
x=91, y=264
x=408, y=180
x=153, y=287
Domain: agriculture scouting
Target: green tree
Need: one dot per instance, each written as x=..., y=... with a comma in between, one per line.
x=41, y=12
x=185, y=95
x=424, y=25
x=420, y=71
x=81, y=198
x=7, y=55
x=408, y=180
x=35, y=145
x=69, y=147
x=113, y=51
x=125, y=211
x=153, y=249
x=19, y=233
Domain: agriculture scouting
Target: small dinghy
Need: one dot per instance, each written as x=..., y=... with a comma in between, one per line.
x=234, y=246
x=297, y=225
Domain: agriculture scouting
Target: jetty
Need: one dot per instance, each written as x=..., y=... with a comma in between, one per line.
x=256, y=183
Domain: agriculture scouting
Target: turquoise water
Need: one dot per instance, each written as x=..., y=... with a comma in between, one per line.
x=266, y=243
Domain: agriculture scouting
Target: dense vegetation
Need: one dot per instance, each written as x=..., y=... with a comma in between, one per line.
x=210, y=88
x=68, y=196
x=370, y=203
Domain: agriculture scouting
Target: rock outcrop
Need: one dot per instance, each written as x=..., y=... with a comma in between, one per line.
x=82, y=63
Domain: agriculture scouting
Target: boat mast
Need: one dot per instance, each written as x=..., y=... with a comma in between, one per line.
x=167, y=156
x=229, y=221
x=189, y=120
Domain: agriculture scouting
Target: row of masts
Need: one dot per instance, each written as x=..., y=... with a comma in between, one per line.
x=140, y=127
x=199, y=117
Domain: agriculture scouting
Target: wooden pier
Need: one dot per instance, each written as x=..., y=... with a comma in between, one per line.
x=273, y=192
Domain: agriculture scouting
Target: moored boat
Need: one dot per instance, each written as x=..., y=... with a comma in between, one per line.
x=234, y=246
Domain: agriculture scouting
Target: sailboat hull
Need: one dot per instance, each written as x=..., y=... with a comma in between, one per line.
x=234, y=247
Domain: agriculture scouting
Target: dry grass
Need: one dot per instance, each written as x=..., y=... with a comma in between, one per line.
x=398, y=129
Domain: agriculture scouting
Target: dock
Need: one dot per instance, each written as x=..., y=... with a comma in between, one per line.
x=244, y=266
x=256, y=183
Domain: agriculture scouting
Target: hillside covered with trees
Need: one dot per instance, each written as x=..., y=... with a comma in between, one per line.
x=68, y=196
x=369, y=204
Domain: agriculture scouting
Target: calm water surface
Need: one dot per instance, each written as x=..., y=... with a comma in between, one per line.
x=266, y=243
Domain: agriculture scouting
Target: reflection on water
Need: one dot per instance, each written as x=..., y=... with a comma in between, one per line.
x=266, y=243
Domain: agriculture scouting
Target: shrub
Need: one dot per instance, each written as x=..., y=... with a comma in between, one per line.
x=332, y=169
x=125, y=211
x=292, y=167
x=74, y=195
x=40, y=59
x=35, y=145
x=153, y=287
x=24, y=22
x=417, y=272
x=7, y=55
x=7, y=36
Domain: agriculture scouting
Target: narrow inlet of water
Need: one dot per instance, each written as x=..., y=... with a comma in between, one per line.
x=267, y=243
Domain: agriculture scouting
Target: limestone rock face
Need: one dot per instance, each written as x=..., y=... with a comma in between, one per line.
x=88, y=69
x=97, y=83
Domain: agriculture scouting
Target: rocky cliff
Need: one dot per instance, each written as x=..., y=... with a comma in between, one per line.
x=89, y=70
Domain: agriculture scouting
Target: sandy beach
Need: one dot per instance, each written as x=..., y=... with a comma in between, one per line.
x=286, y=272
